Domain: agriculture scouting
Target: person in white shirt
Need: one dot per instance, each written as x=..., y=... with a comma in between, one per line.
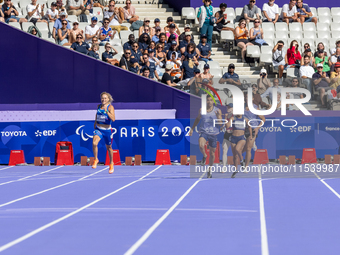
x=337, y=44
x=270, y=12
x=306, y=73
x=289, y=12
x=35, y=12
x=116, y=16
x=279, y=54
x=76, y=7
x=52, y=14
x=269, y=91
x=92, y=30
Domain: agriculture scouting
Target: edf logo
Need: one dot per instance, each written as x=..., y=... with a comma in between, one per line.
x=46, y=133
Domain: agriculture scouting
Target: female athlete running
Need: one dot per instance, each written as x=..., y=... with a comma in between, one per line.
x=102, y=128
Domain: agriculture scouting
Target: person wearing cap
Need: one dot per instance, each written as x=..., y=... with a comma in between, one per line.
x=206, y=19
x=306, y=72
x=58, y=24
x=92, y=30
x=173, y=48
x=106, y=32
x=134, y=66
x=157, y=23
x=321, y=82
x=182, y=36
x=157, y=32
x=207, y=75
x=263, y=82
x=167, y=78
x=230, y=77
x=93, y=52
x=136, y=53
x=304, y=12
x=107, y=55
x=170, y=21
x=170, y=40
x=204, y=49
x=335, y=76
x=35, y=12
x=321, y=58
x=185, y=42
x=196, y=83
x=76, y=7
x=116, y=16
x=80, y=46
x=75, y=31
x=130, y=12
x=151, y=66
x=337, y=45
x=145, y=28
x=176, y=66
x=221, y=19
x=172, y=32
x=335, y=58
x=10, y=13
x=51, y=14
x=128, y=44
x=143, y=42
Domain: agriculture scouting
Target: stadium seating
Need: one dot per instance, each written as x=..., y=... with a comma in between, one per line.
x=253, y=51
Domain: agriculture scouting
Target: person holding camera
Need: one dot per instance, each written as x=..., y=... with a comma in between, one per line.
x=335, y=76
x=263, y=83
x=321, y=81
x=279, y=58
x=293, y=55
x=335, y=58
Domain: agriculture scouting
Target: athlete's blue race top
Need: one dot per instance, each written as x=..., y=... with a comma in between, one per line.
x=239, y=123
x=102, y=117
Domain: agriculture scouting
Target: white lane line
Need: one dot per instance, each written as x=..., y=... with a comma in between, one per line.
x=30, y=176
x=38, y=230
x=55, y=187
x=264, y=237
x=146, y=235
x=6, y=168
x=325, y=183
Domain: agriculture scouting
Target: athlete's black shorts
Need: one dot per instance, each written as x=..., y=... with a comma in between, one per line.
x=227, y=135
x=247, y=133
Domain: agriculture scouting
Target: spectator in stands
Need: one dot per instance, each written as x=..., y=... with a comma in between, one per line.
x=74, y=32
x=76, y=8
x=134, y=66
x=320, y=46
x=130, y=12
x=107, y=55
x=296, y=84
x=321, y=81
x=188, y=69
x=257, y=99
x=207, y=75
x=162, y=41
x=173, y=48
x=2, y=19
x=152, y=46
x=157, y=23
x=171, y=32
x=116, y=16
x=293, y=56
x=279, y=58
x=271, y=12
x=58, y=24
x=256, y=34
x=125, y=60
x=182, y=36
x=128, y=44
x=304, y=12
x=289, y=13
x=35, y=12
x=183, y=45
x=60, y=6
x=307, y=52
x=337, y=45
x=167, y=78
x=80, y=46
x=136, y=53
x=242, y=38
x=143, y=42
x=269, y=91
x=145, y=28
x=263, y=83
x=170, y=21
x=64, y=35
x=191, y=53
x=335, y=76
x=160, y=55
x=206, y=20
x=94, y=41
x=94, y=51
x=51, y=14
x=92, y=31
x=10, y=13
x=321, y=58
x=204, y=50
x=230, y=77
x=146, y=72
x=176, y=66
x=195, y=83
x=88, y=4
x=99, y=3
x=33, y=30
x=155, y=37
x=251, y=12
x=151, y=66
x=221, y=19
x=335, y=58
x=306, y=72
x=106, y=32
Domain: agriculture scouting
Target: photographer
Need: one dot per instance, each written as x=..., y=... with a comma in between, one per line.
x=230, y=77
x=279, y=58
x=263, y=83
x=321, y=82
x=293, y=57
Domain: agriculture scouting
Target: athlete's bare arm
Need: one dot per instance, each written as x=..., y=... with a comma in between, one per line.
x=197, y=120
x=111, y=113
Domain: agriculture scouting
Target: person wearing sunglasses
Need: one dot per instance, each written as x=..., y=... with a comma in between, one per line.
x=76, y=7
x=230, y=77
x=151, y=66
x=80, y=45
x=130, y=12
x=10, y=13
x=145, y=28
x=169, y=21
x=143, y=42
x=136, y=53
x=116, y=16
x=256, y=34
x=185, y=42
x=296, y=84
x=204, y=50
x=75, y=31
x=157, y=23
x=161, y=56
x=58, y=24
x=106, y=32
x=33, y=31
x=125, y=60
x=304, y=12
x=64, y=35
x=206, y=19
x=289, y=12
x=308, y=52
x=251, y=12
x=242, y=38
x=155, y=37
x=271, y=12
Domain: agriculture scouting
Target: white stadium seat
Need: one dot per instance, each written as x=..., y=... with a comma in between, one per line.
x=336, y=34
x=214, y=64
x=281, y=26
x=295, y=27
x=296, y=35
x=188, y=13
x=116, y=42
x=136, y=33
x=266, y=59
x=325, y=41
x=238, y=12
x=15, y=24
x=292, y=72
x=332, y=42
x=325, y=19
x=41, y=2
x=253, y=51
x=125, y=34
x=216, y=72
x=335, y=27
x=72, y=18
x=324, y=34
x=230, y=14
x=314, y=12
x=226, y=36
x=324, y=11
x=49, y=2
x=42, y=26
x=335, y=11
x=282, y=34
x=310, y=26
x=45, y=34
x=24, y=3
x=268, y=35
x=119, y=48
x=266, y=49
x=97, y=11
x=201, y=65
x=26, y=25
x=309, y=35
x=83, y=25
x=322, y=27
x=336, y=20
x=50, y=39
x=268, y=26
x=270, y=42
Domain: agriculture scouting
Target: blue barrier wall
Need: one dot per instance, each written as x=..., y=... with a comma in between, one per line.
x=36, y=71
